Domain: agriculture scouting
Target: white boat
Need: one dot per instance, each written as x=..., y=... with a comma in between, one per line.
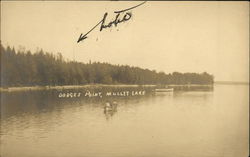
x=164, y=90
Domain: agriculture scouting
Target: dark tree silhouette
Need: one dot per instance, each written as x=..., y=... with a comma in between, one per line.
x=41, y=68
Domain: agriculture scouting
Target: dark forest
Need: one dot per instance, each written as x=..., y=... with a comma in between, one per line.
x=24, y=68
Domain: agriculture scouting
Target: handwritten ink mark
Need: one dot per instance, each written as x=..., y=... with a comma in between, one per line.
x=82, y=37
x=127, y=16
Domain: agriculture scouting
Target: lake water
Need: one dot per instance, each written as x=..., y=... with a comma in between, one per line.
x=190, y=123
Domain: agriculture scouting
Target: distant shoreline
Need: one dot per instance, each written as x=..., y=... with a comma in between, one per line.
x=34, y=88
x=231, y=82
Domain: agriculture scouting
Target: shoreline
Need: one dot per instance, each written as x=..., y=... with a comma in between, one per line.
x=34, y=88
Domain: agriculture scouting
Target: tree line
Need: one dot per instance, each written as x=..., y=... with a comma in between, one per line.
x=23, y=68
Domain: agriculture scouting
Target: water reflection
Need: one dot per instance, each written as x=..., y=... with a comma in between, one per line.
x=38, y=102
x=193, y=122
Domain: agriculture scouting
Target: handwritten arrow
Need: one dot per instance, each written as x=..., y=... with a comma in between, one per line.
x=82, y=37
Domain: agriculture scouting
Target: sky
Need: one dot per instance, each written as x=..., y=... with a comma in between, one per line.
x=162, y=36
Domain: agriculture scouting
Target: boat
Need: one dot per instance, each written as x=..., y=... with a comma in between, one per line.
x=110, y=107
x=164, y=90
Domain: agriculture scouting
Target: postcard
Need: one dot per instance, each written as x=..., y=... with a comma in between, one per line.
x=124, y=79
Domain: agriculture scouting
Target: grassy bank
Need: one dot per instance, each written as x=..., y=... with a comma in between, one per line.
x=33, y=88
x=12, y=89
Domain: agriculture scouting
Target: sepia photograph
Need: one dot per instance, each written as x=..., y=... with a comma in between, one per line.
x=124, y=79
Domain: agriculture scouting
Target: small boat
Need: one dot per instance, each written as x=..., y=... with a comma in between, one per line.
x=107, y=107
x=110, y=107
x=164, y=90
